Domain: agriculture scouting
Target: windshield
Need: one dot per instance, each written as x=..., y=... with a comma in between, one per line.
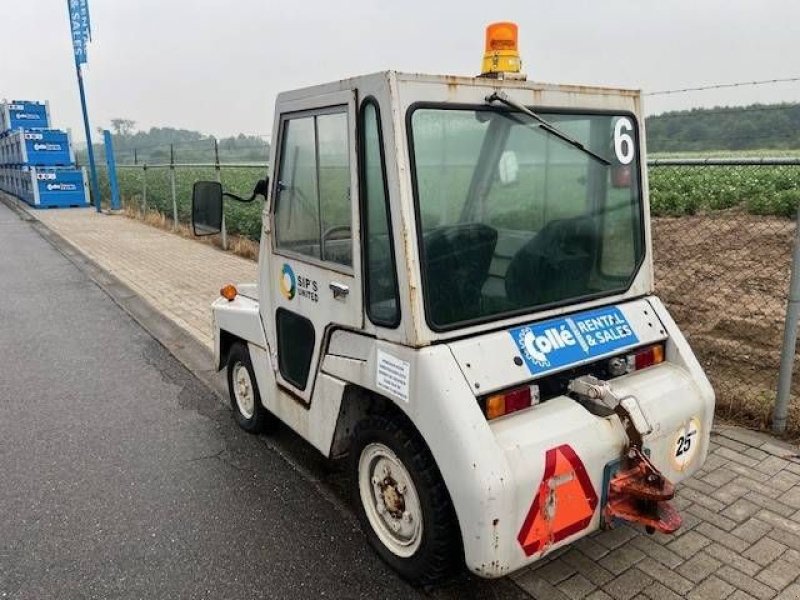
x=513, y=218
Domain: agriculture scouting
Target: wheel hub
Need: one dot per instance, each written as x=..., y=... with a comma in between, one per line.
x=390, y=500
x=392, y=497
x=243, y=390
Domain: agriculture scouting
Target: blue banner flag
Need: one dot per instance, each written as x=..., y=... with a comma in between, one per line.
x=81, y=29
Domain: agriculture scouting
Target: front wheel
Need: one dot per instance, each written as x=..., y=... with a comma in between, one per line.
x=402, y=502
x=243, y=389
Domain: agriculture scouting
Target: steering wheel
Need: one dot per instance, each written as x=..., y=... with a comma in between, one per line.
x=329, y=232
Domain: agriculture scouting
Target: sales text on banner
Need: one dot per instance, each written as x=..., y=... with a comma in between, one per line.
x=81, y=29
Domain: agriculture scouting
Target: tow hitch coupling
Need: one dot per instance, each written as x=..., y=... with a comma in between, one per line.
x=638, y=492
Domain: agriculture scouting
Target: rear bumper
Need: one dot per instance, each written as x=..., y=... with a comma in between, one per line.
x=559, y=444
x=549, y=445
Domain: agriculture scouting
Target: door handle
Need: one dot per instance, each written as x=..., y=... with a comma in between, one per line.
x=339, y=290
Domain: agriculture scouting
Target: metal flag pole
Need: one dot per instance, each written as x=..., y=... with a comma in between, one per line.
x=87, y=128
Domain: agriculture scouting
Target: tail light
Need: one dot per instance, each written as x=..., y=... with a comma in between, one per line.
x=641, y=359
x=511, y=401
x=647, y=357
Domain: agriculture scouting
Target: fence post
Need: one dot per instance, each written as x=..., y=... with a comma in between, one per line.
x=223, y=230
x=781, y=411
x=144, y=190
x=135, y=157
x=172, y=185
x=111, y=171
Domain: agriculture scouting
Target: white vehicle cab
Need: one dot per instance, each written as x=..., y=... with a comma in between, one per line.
x=456, y=289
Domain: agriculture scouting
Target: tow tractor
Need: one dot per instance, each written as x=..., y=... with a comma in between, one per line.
x=456, y=291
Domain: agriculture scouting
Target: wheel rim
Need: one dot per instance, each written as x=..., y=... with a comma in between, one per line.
x=243, y=391
x=390, y=500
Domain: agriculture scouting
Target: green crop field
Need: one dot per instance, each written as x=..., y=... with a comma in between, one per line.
x=674, y=190
x=762, y=190
x=244, y=219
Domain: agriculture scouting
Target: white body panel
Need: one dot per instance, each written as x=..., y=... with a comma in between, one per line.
x=317, y=422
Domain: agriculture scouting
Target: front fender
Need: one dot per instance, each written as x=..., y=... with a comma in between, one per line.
x=239, y=318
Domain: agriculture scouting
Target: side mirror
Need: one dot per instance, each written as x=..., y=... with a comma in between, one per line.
x=206, y=207
x=262, y=187
x=508, y=168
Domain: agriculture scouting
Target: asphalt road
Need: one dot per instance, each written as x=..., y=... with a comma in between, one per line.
x=123, y=476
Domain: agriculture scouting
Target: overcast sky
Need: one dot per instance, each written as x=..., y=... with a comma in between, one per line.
x=216, y=66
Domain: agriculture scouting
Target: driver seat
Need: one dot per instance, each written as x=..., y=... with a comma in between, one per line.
x=555, y=264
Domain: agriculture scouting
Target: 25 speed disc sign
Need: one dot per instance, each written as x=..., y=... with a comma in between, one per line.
x=685, y=444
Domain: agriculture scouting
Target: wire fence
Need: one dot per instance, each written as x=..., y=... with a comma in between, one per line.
x=244, y=148
x=723, y=231
x=166, y=189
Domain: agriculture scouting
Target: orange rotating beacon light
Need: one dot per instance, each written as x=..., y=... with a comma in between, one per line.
x=501, y=55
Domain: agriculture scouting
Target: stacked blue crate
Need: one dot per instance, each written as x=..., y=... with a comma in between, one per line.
x=24, y=114
x=47, y=187
x=37, y=164
x=39, y=147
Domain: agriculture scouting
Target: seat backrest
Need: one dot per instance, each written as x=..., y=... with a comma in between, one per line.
x=555, y=264
x=457, y=260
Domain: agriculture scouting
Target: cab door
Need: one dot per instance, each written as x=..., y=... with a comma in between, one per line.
x=315, y=263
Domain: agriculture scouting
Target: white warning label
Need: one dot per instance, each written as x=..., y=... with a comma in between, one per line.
x=392, y=375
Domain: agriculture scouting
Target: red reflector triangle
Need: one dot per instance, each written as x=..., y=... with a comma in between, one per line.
x=564, y=503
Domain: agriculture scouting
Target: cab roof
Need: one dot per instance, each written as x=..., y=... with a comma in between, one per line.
x=454, y=82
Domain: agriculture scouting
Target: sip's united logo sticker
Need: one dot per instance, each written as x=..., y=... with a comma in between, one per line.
x=288, y=282
x=560, y=342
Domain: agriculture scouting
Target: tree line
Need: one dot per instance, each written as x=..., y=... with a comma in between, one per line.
x=153, y=146
x=753, y=127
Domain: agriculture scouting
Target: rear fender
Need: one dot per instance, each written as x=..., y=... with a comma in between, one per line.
x=427, y=386
x=679, y=353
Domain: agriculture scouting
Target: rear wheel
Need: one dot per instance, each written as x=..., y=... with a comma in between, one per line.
x=243, y=389
x=402, y=502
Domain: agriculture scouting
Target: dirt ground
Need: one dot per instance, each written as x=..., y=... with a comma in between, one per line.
x=725, y=277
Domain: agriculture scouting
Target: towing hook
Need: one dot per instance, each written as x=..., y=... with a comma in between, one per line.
x=640, y=494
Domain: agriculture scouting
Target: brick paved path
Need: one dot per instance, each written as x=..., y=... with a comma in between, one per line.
x=741, y=533
x=178, y=276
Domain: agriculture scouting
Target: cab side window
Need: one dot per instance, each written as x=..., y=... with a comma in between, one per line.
x=297, y=209
x=312, y=212
x=383, y=303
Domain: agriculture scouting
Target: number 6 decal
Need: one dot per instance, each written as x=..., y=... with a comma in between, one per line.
x=623, y=142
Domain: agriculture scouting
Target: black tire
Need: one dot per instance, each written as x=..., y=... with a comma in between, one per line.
x=440, y=552
x=261, y=419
